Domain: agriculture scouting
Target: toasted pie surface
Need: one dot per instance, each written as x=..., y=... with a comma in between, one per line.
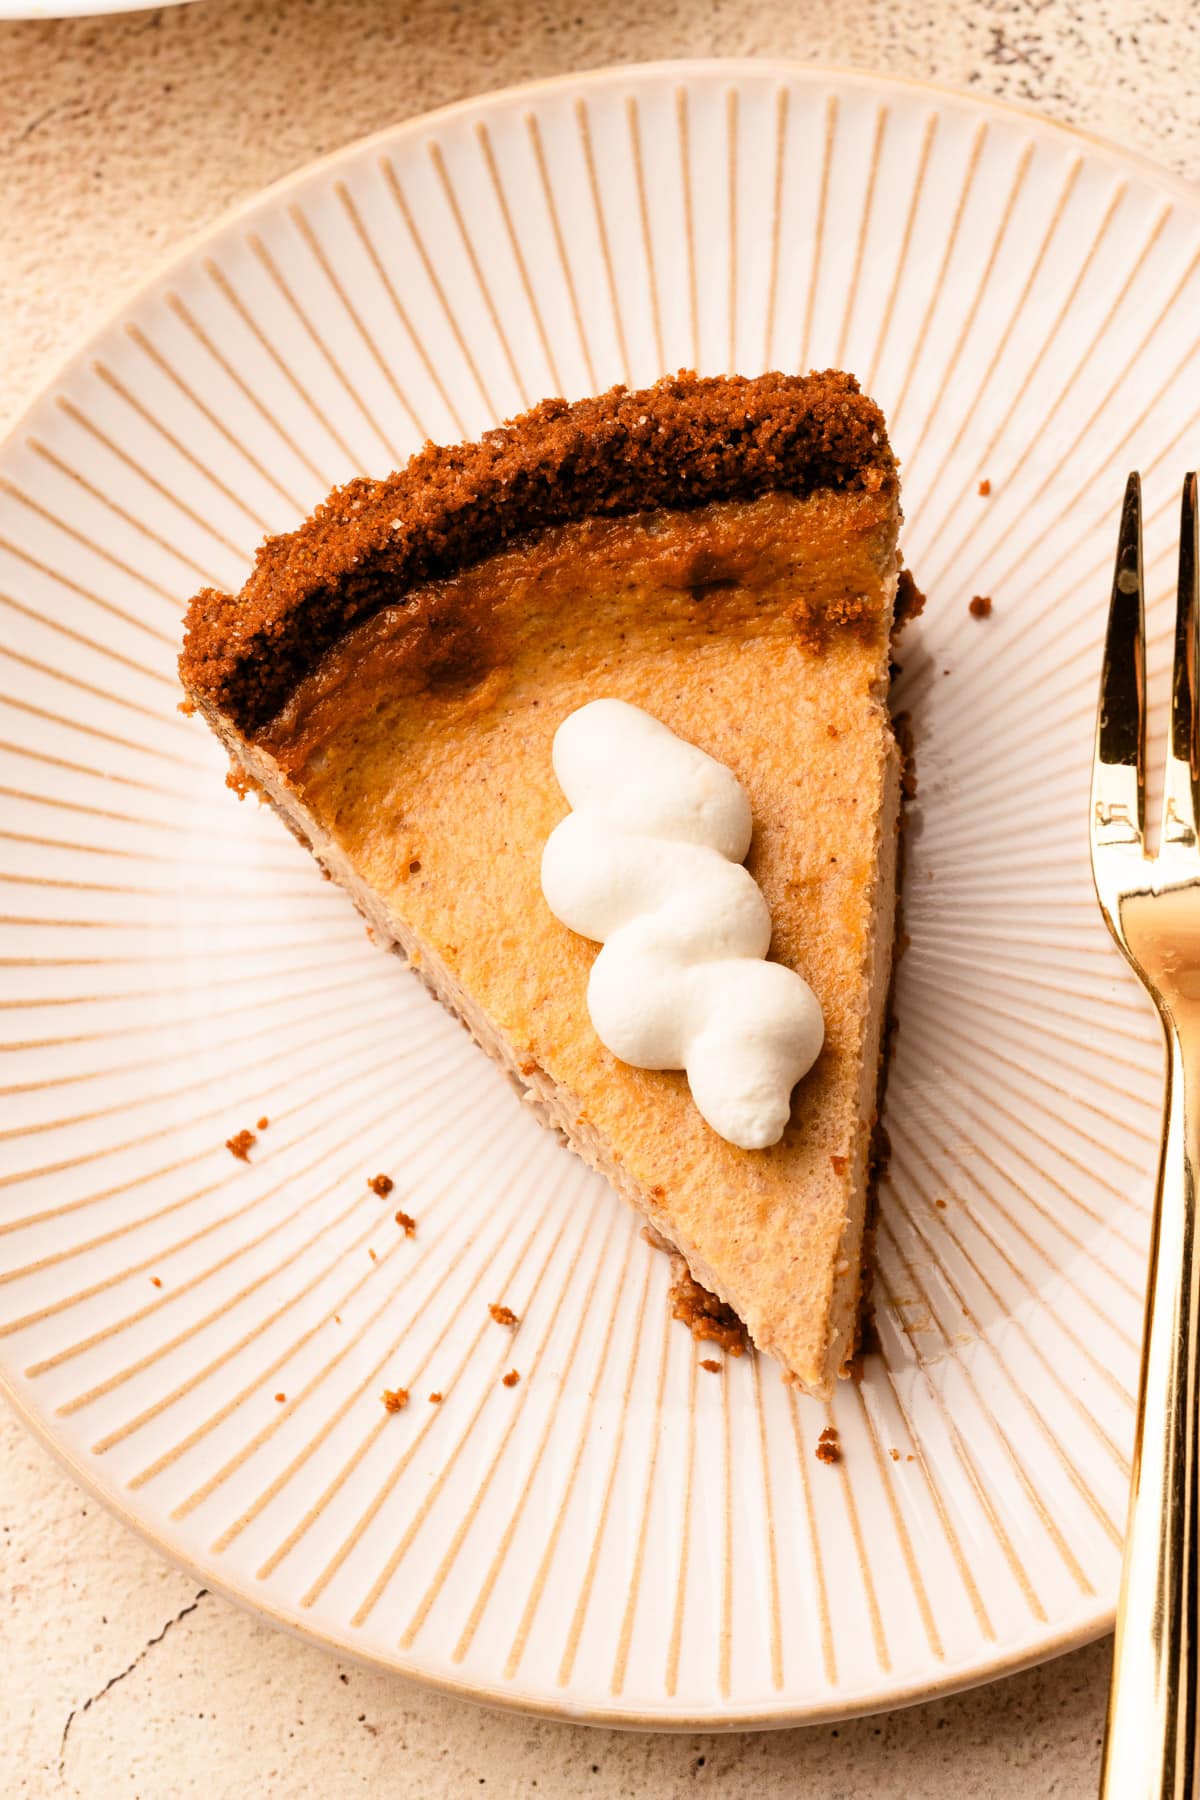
x=397, y=702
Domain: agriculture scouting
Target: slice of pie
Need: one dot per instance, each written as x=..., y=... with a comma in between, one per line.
x=721, y=554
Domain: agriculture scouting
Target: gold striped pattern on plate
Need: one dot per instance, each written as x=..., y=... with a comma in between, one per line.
x=621, y=1534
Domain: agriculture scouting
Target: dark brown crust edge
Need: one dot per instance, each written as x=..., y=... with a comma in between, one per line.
x=910, y=603
x=682, y=443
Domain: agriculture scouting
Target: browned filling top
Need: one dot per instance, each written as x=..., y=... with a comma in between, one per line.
x=556, y=609
x=680, y=444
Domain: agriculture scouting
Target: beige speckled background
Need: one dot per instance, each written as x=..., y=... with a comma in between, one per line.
x=118, y=137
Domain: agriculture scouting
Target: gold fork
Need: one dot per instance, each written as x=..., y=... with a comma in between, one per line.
x=1152, y=905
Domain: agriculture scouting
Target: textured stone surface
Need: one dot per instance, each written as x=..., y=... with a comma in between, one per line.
x=118, y=138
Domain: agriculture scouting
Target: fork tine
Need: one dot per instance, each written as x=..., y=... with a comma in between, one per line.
x=1119, y=767
x=1183, y=757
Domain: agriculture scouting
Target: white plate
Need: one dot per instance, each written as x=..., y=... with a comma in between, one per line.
x=619, y=1537
x=78, y=9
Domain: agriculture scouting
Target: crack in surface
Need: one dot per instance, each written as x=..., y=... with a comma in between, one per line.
x=63, y=109
x=78, y=1711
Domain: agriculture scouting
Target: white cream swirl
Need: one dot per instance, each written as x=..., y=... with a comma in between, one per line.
x=649, y=862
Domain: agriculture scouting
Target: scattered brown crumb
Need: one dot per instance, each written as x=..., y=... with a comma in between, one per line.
x=840, y=1164
x=240, y=780
x=186, y=707
x=407, y=1223
x=895, y=1455
x=337, y=1318
x=828, y=1448
x=512, y=1378
x=985, y=488
x=981, y=607
x=503, y=1315
x=711, y=1364
x=435, y=1399
x=395, y=1399
x=372, y=1255
x=156, y=1281
x=281, y=1398
x=263, y=1123
x=240, y=1143
x=705, y=1316
x=910, y=1457
x=381, y=1185
x=940, y=1204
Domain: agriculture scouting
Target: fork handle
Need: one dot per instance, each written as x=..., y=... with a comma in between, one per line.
x=1150, y=1738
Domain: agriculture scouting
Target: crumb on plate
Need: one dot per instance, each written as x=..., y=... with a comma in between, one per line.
x=828, y=1448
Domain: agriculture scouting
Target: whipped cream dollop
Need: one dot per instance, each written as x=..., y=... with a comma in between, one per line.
x=649, y=863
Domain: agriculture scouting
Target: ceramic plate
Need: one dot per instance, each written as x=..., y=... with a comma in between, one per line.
x=623, y=1536
x=76, y=9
